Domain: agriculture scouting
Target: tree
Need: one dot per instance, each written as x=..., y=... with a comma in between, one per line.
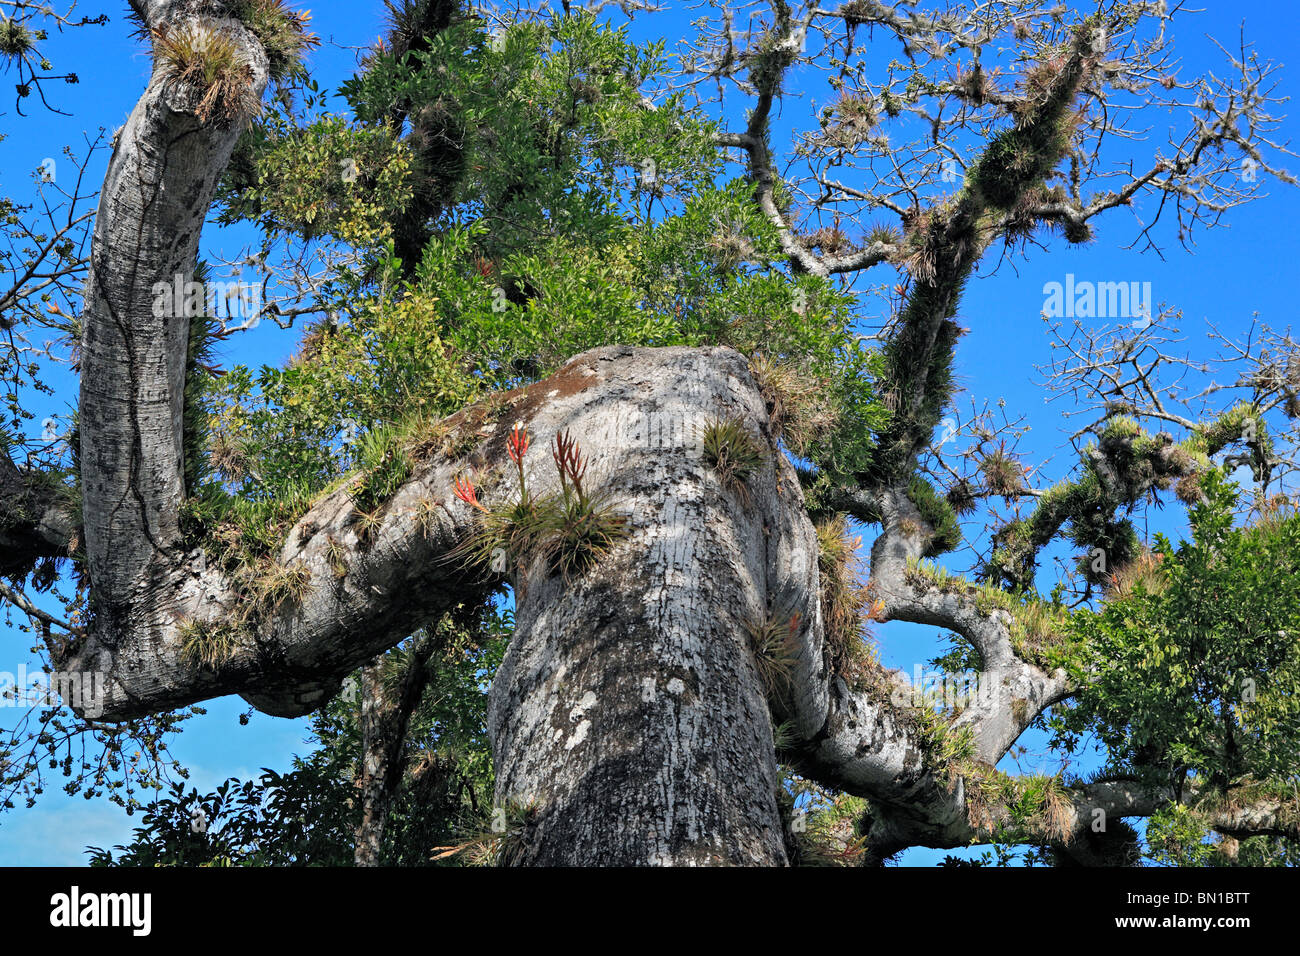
x=653, y=428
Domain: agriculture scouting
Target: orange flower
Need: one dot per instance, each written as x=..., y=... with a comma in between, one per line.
x=466, y=492
x=517, y=445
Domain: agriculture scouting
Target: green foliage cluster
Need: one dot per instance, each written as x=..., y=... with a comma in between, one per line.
x=1119, y=468
x=308, y=816
x=384, y=464
x=528, y=117
x=938, y=514
x=949, y=747
x=332, y=179
x=283, y=35
x=824, y=827
x=732, y=452
x=543, y=242
x=1195, y=671
x=1178, y=835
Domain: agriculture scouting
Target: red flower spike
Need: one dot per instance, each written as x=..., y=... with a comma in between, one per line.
x=467, y=493
x=517, y=444
x=569, y=461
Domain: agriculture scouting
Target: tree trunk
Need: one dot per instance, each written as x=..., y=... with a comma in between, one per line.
x=374, y=770
x=632, y=720
x=136, y=321
x=628, y=720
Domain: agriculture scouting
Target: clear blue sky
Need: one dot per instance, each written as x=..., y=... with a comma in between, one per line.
x=1235, y=271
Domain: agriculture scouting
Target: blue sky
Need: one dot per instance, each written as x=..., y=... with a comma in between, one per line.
x=1234, y=272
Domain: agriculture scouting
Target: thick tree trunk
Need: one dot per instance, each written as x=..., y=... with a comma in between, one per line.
x=628, y=720
x=159, y=186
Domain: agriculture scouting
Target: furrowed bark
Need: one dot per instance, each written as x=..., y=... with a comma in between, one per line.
x=157, y=191
x=376, y=761
x=628, y=713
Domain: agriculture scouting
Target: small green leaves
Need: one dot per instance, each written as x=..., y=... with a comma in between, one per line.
x=1191, y=667
x=330, y=178
x=938, y=513
x=385, y=466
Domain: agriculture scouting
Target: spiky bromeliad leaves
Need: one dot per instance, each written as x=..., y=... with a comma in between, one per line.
x=202, y=59
x=733, y=453
x=569, y=531
x=774, y=642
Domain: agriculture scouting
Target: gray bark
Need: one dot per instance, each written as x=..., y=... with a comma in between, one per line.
x=376, y=764
x=628, y=708
x=156, y=195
